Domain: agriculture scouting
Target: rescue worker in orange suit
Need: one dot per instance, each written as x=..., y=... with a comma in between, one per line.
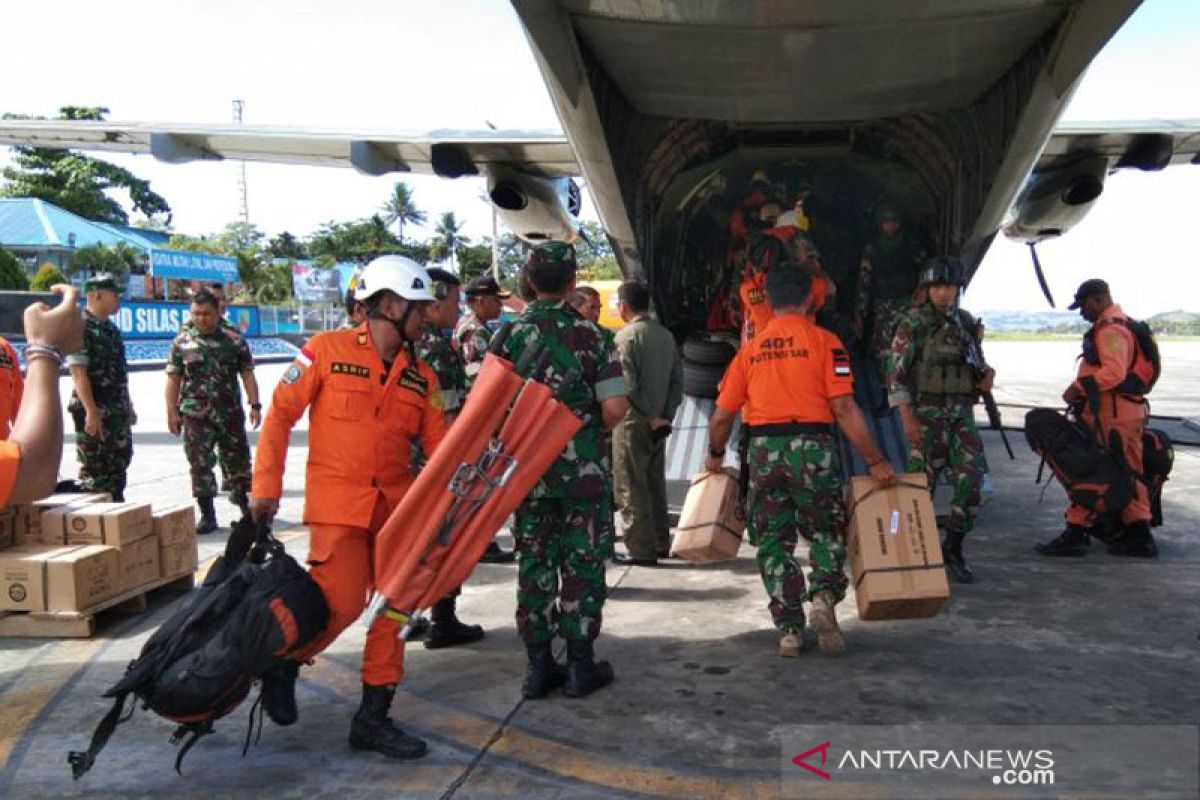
x=30, y=456
x=785, y=241
x=368, y=397
x=11, y=387
x=1110, y=359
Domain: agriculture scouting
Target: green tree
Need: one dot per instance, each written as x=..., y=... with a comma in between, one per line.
x=11, y=274
x=46, y=276
x=401, y=209
x=357, y=241
x=119, y=259
x=448, y=239
x=79, y=183
x=597, y=262
x=285, y=245
x=474, y=260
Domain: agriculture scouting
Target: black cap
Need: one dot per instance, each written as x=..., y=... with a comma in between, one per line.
x=103, y=280
x=1089, y=288
x=439, y=275
x=486, y=286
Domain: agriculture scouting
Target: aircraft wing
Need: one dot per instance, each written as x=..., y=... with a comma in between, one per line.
x=1145, y=144
x=447, y=153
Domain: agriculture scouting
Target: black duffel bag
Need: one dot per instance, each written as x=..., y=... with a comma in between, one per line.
x=1093, y=477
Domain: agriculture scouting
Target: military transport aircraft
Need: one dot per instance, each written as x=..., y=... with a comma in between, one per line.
x=944, y=108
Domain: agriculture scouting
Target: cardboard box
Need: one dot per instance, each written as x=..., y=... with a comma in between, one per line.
x=38, y=578
x=29, y=528
x=179, y=558
x=895, y=555
x=175, y=524
x=114, y=524
x=141, y=563
x=712, y=520
x=8, y=527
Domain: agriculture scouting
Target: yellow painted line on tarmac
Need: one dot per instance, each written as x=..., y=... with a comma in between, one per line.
x=35, y=688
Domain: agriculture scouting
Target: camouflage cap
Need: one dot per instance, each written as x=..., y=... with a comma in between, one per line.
x=552, y=253
x=103, y=280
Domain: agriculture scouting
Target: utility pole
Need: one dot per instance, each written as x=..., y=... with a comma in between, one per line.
x=238, y=106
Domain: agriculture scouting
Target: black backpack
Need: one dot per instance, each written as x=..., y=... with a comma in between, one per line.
x=1092, y=476
x=1158, y=456
x=255, y=606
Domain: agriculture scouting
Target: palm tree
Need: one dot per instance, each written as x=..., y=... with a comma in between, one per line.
x=447, y=239
x=401, y=208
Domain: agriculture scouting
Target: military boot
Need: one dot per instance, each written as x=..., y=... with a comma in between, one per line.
x=208, y=516
x=584, y=674
x=371, y=728
x=447, y=630
x=1073, y=542
x=279, y=692
x=1135, y=541
x=956, y=566
x=544, y=674
x=495, y=554
x=823, y=620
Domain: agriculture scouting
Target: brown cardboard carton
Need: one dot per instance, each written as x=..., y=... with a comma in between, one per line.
x=22, y=578
x=179, y=558
x=31, y=515
x=175, y=524
x=141, y=563
x=712, y=520
x=82, y=576
x=8, y=527
x=114, y=524
x=894, y=552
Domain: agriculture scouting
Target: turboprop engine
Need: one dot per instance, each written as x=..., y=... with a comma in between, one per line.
x=1053, y=201
x=535, y=208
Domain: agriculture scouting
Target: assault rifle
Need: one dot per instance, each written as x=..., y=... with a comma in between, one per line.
x=976, y=362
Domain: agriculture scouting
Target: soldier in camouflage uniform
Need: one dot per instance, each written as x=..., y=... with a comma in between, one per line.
x=559, y=535
x=887, y=278
x=100, y=405
x=434, y=349
x=203, y=401
x=791, y=382
x=935, y=373
x=471, y=334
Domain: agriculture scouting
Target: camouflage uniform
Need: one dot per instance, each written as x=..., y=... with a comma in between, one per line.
x=435, y=350
x=210, y=402
x=887, y=278
x=926, y=368
x=559, y=527
x=796, y=490
x=471, y=339
x=103, y=462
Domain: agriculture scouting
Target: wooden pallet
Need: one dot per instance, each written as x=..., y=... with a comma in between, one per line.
x=82, y=624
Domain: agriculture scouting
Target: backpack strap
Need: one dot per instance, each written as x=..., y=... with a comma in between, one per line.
x=193, y=731
x=82, y=761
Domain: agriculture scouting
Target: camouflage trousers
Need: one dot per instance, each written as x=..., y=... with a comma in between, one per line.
x=950, y=440
x=104, y=462
x=884, y=316
x=207, y=442
x=796, y=491
x=561, y=540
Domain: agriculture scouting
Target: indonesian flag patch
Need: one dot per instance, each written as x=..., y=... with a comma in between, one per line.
x=841, y=363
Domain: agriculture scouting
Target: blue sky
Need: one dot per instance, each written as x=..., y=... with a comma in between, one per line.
x=406, y=64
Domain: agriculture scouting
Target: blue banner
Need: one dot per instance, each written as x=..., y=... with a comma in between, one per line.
x=193, y=266
x=138, y=320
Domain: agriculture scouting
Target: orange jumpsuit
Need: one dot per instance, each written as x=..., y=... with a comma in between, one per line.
x=756, y=311
x=1115, y=346
x=362, y=420
x=10, y=462
x=12, y=385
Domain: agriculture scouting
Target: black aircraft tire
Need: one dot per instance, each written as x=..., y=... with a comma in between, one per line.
x=702, y=380
x=702, y=350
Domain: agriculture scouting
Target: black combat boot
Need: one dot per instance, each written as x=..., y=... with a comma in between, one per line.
x=447, y=629
x=544, y=674
x=208, y=516
x=373, y=730
x=1136, y=541
x=1073, y=542
x=279, y=692
x=497, y=555
x=956, y=566
x=584, y=674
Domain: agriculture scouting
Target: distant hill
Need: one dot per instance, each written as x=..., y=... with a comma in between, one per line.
x=1172, y=322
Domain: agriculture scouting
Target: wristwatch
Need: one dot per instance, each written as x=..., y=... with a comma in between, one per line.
x=715, y=453
x=256, y=406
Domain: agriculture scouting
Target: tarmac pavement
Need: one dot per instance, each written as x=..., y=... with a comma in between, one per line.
x=702, y=703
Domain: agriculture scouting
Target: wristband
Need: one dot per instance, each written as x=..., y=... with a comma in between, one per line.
x=256, y=406
x=43, y=351
x=715, y=453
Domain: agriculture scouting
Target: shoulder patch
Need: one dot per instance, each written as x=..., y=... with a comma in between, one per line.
x=414, y=381
x=293, y=373
x=363, y=338
x=841, y=362
x=345, y=368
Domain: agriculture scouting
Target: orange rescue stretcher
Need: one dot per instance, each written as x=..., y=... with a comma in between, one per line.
x=509, y=432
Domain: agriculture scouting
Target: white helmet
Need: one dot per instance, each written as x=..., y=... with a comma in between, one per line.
x=401, y=275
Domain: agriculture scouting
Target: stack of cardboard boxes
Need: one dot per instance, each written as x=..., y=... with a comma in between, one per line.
x=70, y=552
